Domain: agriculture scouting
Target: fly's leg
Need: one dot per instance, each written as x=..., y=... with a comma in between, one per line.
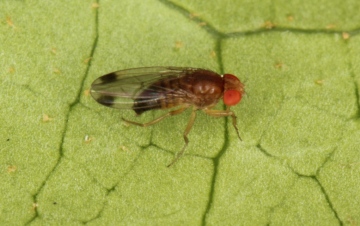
x=186, y=132
x=224, y=113
x=170, y=113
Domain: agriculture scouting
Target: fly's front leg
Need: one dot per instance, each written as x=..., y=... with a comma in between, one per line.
x=170, y=113
x=186, y=132
x=224, y=113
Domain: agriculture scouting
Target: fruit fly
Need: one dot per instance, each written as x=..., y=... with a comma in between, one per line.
x=173, y=88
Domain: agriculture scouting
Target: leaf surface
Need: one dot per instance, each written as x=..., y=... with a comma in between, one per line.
x=67, y=160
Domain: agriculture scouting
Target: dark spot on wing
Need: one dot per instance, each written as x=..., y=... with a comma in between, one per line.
x=142, y=105
x=106, y=100
x=109, y=78
x=149, y=99
x=140, y=111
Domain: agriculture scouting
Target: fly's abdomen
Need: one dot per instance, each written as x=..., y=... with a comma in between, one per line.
x=163, y=94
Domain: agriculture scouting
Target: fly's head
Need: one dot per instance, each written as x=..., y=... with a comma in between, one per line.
x=233, y=90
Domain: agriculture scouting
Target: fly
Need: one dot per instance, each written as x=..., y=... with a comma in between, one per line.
x=173, y=88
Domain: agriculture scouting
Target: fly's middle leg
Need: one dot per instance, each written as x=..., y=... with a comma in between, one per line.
x=186, y=132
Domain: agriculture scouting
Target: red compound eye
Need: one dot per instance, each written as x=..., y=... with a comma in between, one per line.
x=232, y=97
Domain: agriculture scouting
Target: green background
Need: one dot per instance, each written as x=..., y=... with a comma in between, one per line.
x=65, y=159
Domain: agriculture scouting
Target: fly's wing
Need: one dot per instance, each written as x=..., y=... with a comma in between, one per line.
x=119, y=89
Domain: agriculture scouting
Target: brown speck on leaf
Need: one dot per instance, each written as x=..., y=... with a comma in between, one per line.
x=9, y=22
x=124, y=148
x=11, y=169
x=35, y=205
x=345, y=35
x=87, y=139
x=87, y=60
x=202, y=24
x=193, y=15
x=53, y=51
x=269, y=25
x=46, y=118
x=87, y=92
x=290, y=17
x=351, y=221
x=95, y=5
x=319, y=82
x=56, y=71
x=11, y=70
x=279, y=65
x=330, y=26
x=178, y=45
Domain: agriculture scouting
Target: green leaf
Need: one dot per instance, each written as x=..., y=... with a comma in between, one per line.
x=67, y=160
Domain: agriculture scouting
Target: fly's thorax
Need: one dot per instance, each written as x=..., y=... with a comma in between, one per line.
x=204, y=88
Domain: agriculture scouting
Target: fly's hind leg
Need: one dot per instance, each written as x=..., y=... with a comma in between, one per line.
x=224, y=113
x=186, y=132
x=170, y=113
